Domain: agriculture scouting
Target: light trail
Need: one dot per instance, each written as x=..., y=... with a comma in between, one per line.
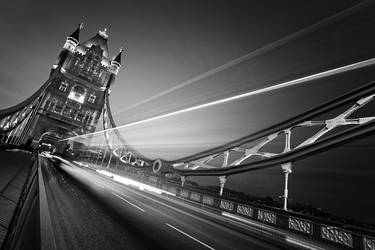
x=286, y=84
x=256, y=52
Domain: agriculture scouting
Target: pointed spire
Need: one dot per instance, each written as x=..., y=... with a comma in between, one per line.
x=73, y=40
x=118, y=57
x=75, y=34
x=116, y=62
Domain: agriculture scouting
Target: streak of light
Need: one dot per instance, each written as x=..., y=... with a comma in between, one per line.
x=289, y=239
x=188, y=235
x=256, y=52
x=300, y=243
x=130, y=182
x=123, y=199
x=286, y=84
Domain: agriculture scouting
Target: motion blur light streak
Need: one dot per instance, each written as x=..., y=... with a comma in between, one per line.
x=286, y=84
x=299, y=243
x=130, y=182
x=260, y=227
x=255, y=53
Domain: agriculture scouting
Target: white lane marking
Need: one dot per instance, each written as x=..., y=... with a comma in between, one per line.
x=191, y=237
x=128, y=202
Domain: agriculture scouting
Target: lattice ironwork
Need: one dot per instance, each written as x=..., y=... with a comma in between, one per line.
x=239, y=153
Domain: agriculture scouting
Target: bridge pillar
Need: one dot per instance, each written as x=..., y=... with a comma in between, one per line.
x=287, y=169
x=222, y=180
x=110, y=158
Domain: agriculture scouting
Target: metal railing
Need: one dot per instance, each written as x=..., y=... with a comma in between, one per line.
x=313, y=229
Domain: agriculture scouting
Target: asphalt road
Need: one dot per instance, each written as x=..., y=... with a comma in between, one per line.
x=89, y=211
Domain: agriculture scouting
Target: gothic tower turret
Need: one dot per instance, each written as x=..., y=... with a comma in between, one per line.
x=73, y=40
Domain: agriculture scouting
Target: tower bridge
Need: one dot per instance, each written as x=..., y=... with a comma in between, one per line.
x=66, y=112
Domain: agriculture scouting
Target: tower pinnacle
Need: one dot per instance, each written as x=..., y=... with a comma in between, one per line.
x=73, y=40
x=116, y=62
x=103, y=33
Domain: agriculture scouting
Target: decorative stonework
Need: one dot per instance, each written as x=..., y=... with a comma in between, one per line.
x=267, y=216
x=208, y=200
x=337, y=235
x=300, y=225
x=195, y=196
x=226, y=205
x=368, y=243
x=184, y=193
x=245, y=210
x=153, y=179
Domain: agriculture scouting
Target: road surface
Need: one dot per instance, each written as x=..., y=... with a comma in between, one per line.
x=89, y=211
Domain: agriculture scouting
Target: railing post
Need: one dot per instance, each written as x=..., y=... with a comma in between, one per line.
x=110, y=158
x=222, y=180
x=287, y=169
x=183, y=179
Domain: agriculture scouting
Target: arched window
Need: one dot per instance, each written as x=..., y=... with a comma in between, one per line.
x=77, y=94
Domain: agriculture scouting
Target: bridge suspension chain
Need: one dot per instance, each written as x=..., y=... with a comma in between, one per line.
x=14, y=121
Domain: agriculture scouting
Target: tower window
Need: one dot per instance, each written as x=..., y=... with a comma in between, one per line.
x=63, y=86
x=79, y=117
x=50, y=104
x=57, y=109
x=92, y=98
x=88, y=118
x=77, y=94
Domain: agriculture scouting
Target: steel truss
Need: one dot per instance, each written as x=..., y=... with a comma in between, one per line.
x=235, y=157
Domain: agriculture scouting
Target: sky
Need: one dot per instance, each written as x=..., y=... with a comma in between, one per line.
x=169, y=42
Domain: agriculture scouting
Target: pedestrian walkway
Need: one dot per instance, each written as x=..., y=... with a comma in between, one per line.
x=15, y=165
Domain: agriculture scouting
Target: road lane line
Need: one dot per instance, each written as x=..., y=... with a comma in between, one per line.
x=191, y=237
x=128, y=202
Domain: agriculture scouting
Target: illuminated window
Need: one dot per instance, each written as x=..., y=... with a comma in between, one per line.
x=77, y=94
x=63, y=86
x=79, y=117
x=58, y=109
x=92, y=98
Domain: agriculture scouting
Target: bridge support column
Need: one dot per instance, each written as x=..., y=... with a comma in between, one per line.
x=287, y=169
x=110, y=158
x=222, y=180
x=183, y=179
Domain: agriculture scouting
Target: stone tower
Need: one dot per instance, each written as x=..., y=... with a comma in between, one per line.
x=73, y=101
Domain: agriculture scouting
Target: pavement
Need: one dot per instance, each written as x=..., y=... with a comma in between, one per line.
x=14, y=167
x=91, y=211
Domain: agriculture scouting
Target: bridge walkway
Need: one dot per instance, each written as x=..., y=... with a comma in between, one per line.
x=15, y=166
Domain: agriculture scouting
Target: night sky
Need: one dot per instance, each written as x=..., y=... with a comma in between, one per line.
x=169, y=42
